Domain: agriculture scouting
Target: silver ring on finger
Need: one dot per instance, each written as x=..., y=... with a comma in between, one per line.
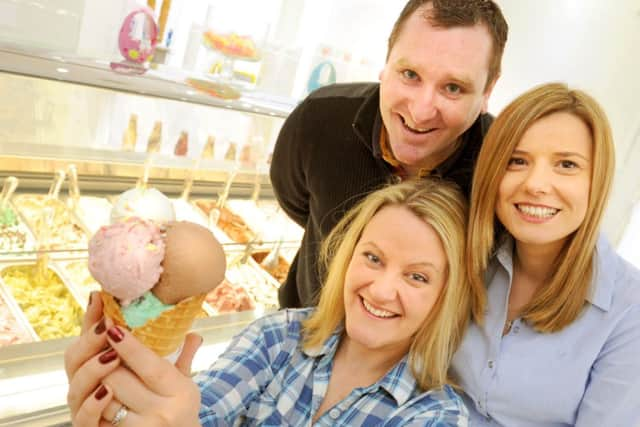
x=120, y=415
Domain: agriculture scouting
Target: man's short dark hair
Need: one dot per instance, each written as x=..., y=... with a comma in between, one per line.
x=460, y=13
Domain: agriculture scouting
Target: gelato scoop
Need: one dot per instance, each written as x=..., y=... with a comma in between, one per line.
x=194, y=263
x=147, y=203
x=8, y=217
x=126, y=258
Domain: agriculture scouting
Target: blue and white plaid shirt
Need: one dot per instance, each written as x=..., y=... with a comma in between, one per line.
x=265, y=378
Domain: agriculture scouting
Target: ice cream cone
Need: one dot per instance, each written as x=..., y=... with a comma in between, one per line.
x=164, y=334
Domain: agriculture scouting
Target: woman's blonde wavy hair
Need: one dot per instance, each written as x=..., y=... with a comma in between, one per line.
x=561, y=301
x=439, y=204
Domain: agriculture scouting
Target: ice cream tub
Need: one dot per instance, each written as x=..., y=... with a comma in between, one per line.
x=229, y=298
x=59, y=231
x=289, y=254
x=93, y=212
x=278, y=271
x=268, y=222
x=14, y=326
x=246, y=288
x=231, y=224
x=186, y=211
x=76, y=274
x=16, y=239
x=51, y=307
x=261, y=286
x=290, y=231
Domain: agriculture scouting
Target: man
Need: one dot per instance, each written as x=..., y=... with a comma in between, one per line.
x=427, y=116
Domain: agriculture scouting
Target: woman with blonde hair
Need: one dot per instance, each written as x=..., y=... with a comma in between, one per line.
x=376, y=350
x=556, y=332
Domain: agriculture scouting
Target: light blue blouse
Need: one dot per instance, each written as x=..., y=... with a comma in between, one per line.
x=586, y=375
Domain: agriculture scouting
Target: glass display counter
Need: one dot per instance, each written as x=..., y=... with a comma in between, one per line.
x=74, y=134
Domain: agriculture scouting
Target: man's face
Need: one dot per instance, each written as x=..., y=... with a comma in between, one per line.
x=432, y=89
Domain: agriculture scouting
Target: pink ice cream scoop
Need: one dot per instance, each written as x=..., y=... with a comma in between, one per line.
x=126, y=258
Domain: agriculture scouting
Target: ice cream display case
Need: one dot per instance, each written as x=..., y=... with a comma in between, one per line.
x=75, y=135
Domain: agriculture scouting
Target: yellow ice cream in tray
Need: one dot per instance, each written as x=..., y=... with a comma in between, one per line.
x=51, y=308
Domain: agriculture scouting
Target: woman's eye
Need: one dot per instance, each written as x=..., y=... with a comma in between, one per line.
x=516, y=161
x=568, y=164
x=453, y=89
x=409, y=74
x=419, y=277
x=372, y=258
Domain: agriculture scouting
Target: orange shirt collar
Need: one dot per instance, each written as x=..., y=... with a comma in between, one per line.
x=387, y=156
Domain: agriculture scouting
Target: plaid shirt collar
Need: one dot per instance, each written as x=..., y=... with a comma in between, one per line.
x=398, y=382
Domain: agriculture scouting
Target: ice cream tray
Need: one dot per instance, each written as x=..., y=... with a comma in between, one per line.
x=78, y=290
x=56, y=249
x=15, y=304
x=16, y=312
x=30, y=240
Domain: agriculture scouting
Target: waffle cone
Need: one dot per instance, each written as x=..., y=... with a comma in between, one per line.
x=165, y=333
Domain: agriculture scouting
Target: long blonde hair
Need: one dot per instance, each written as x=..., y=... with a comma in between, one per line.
x=561, y=301
x=439, y=204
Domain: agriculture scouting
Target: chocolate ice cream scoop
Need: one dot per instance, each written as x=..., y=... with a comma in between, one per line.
x=194, y=263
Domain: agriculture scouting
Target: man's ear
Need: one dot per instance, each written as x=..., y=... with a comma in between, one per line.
x=487, y=94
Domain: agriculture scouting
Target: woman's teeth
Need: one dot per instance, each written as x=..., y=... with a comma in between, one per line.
x=537, y=211
x=375, y=311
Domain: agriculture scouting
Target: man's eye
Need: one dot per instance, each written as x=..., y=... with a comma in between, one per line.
x=453, y=89
x=409, y=74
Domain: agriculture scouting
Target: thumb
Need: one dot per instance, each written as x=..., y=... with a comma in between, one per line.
x=191, y=344
x=93, y=312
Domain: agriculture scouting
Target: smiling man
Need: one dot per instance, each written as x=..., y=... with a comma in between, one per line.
x=427, y=116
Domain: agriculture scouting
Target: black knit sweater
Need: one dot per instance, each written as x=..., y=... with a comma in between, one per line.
x=327, y=158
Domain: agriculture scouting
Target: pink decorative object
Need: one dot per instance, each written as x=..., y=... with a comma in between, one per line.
x=138, y=36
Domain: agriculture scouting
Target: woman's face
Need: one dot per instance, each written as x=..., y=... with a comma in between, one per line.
x=544, y=194
x=393, y=280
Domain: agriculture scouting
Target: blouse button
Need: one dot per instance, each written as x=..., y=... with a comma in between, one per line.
x=490, y=364
x=334, y=413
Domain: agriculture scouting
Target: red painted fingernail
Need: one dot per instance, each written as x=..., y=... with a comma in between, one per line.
x=107, y=357
x=100, y=327
x=102, y=392
x=115, y=334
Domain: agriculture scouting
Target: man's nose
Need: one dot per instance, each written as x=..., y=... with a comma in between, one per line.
x=422, y=107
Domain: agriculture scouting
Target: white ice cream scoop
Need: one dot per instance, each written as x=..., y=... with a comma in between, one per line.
x=146, y=203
